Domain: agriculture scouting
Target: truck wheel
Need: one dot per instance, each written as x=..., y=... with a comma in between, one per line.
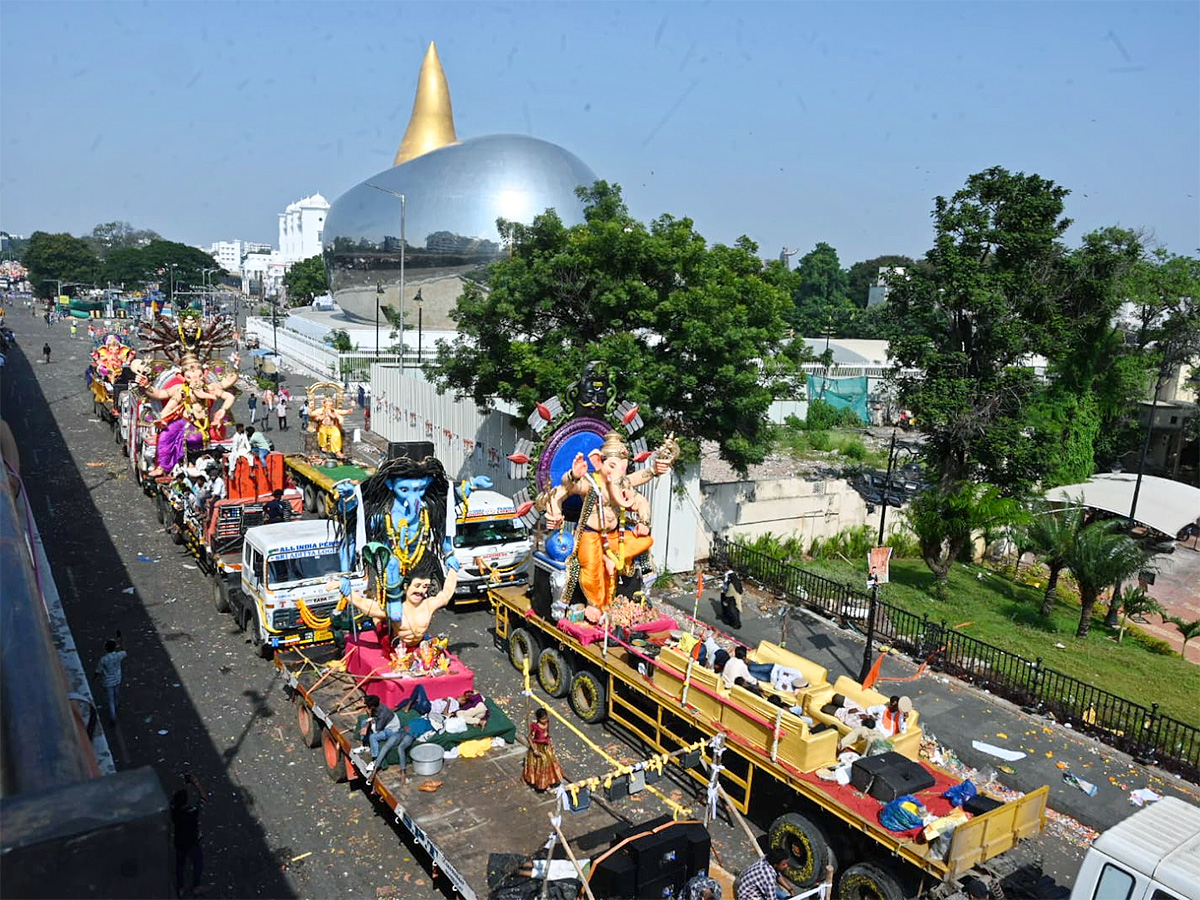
x=522, y=647
x=807, y=848
x=220, y=595
x=335, y=760
x=588, y=698
x=554, y=672
x=310, y=726
x=160, y=509
x=867, y=881
x=310, y=498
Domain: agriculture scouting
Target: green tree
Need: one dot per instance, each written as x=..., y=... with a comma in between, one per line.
x=964, y=322
x=119, y=235
x=127, y=266
x=1097, y=557
x=1187, y=630
x=339, y=340
x=822, y=304
x=172, y=262
x=305, y=280
x=1051, y=535
x=862, y=276
x=946, y=522
x=691, y=333
x=60, y=257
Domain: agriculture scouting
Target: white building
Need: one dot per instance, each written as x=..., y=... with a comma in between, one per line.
x=267, y=267
x=300, y=227
x=879, y=290
x=229, y=254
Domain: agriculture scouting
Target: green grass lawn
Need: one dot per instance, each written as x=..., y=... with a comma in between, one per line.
x=1004, y=613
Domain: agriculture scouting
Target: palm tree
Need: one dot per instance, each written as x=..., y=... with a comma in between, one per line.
x=1189, y=630
x=1051, y=534
x=1100, y=556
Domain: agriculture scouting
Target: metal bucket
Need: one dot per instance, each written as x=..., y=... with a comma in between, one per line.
x=427, y=759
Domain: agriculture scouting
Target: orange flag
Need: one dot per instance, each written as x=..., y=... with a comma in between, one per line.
x=873, y=675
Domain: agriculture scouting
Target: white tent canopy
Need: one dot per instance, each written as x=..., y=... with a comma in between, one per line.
x=1164, y=505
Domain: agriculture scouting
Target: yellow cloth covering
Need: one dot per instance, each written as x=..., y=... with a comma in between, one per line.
x=475, y=748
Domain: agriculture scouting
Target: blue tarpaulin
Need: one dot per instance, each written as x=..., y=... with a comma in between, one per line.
x=841, y=393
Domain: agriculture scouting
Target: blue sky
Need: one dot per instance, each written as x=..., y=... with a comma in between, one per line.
x=792, y=123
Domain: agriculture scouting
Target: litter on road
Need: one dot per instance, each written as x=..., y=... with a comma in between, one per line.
x=1001, y=752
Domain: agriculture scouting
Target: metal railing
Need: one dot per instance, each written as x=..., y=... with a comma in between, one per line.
x=1140, y=731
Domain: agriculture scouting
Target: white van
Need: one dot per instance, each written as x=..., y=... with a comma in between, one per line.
x=1152, y=855
x=491, y=545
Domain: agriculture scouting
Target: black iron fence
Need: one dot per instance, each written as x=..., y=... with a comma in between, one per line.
x=1140, y=731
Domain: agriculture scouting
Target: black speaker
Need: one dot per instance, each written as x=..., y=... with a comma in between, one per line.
x=982, y=803
x=888, y=776
x=614, y=877
x=541, y=599
x=417, y=450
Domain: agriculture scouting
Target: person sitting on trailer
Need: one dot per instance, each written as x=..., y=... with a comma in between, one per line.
x=845, y=710
x=866, y=732
x=275, y=510
x=893, y=718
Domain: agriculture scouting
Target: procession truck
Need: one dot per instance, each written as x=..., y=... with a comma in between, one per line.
x=773, y=761
x=472, y=818
x=318, y=482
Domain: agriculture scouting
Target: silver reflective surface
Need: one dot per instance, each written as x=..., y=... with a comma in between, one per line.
x=453, y=197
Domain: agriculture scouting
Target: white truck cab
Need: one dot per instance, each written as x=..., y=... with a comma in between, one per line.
x=284, y=564
x=491, y=545
x=1152, y=855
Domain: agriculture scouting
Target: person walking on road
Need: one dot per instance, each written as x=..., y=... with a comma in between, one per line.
x=108, y=670
x=186, y=806
x=46, y=352
x=281, y=409
x=268, y=402
x=304, y=415
x=73, y=329
x=252, y=405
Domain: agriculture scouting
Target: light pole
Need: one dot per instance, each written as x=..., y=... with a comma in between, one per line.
x=403, y=204
x=873, y=603
x=420, y=316
x=204, y=286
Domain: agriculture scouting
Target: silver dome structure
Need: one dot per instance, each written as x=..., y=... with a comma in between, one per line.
x=454, y=191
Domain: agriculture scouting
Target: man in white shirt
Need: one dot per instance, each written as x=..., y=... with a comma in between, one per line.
x=892, y=719
x=736, y=668
x=240, y=448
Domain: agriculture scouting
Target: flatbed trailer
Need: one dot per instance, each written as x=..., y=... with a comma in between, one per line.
x=482, y=807
x=611, y=681
x=317, y=482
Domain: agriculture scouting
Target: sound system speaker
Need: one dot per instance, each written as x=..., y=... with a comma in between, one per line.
x=417, y=450
x=655, y=860
x=614, y=877
x=888, y=776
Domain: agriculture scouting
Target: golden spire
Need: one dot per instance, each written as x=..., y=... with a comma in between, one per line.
x=432, y=122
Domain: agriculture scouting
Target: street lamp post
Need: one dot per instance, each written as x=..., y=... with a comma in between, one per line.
x=420, y=316
x=205, y=286
x=873, y=603
x=403, y=204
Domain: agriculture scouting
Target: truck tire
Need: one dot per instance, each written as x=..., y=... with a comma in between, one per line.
x=554, y=672
x=250, y=626
x=522, y=646
x=867, y=881
x=310, y=498
x=334, y=759
x=310, y=726
x=807, y=848
x=221, y=594
x=588, y=698
x=160, y=509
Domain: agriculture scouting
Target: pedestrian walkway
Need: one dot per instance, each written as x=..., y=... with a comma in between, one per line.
x=958, y=715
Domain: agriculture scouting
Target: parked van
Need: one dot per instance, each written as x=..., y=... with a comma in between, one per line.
x=1152, y=855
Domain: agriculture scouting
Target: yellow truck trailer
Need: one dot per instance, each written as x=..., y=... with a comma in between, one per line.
x=771, y=758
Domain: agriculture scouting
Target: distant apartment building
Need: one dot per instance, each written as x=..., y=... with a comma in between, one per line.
x=300, y=228
x=229, y=254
